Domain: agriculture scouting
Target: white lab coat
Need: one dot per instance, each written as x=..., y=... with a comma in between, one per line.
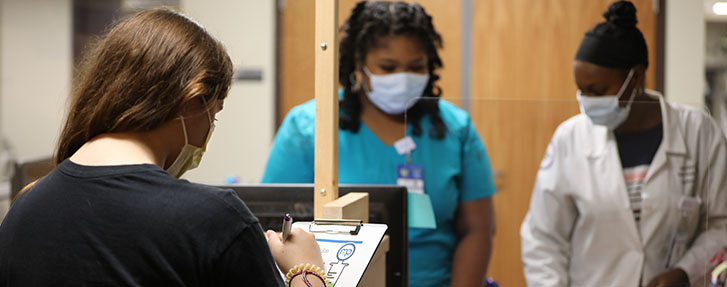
x=580, y=229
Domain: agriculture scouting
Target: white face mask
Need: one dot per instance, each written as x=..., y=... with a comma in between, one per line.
x=190, y=156
x=605, y=110
x=396, y=93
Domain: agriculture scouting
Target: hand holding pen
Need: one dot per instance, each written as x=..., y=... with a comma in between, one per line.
x=294, y=246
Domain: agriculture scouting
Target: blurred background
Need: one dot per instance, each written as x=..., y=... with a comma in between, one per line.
x=508, y=62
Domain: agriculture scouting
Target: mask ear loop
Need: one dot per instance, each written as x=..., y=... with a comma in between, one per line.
x=633, y=96
x=633, y=91
x=626, y=82
x=207, y=109
x=368, y=74
x=184, y=129
x=184, y=126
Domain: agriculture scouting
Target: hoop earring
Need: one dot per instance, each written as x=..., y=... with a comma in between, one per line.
x=355, y=79
x=436, y=91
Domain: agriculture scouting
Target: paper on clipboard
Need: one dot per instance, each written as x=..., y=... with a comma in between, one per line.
x=347, y=249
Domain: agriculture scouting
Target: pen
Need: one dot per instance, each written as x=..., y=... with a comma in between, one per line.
x=287, y=223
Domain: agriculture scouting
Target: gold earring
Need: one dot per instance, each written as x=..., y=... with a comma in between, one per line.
x=355, y=79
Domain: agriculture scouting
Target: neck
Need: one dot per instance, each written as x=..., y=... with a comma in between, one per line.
x=645, y=114
x=388, y=128
x=121, y=149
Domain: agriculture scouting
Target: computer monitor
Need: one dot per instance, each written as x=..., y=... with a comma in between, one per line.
x=387, y=204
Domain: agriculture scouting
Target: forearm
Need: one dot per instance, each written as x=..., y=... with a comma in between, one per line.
x=545, y=262
x=471, y=258
x=697, y=260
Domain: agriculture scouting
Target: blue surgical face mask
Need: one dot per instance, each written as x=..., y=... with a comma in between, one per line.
x=605, y=110
x=395, y=93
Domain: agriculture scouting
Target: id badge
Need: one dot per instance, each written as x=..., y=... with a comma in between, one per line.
x=688, y=207
x=411, y=176
x=420, y=211
x=689, y=204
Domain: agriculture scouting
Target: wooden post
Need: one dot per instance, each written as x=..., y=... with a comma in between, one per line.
x=326, y=203
x=326, y=86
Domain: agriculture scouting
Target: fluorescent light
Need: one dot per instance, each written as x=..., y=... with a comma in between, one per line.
x=720, y=8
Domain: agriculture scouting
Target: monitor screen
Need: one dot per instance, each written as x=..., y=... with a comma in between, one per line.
x=387, y=204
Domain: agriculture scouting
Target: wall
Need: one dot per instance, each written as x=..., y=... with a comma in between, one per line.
x=684, y=48
x=716, y=66
x=35, y=77
x=2, y=136
x=715, y=56
x=4, y=182
x=35, y=67
x=244, y=132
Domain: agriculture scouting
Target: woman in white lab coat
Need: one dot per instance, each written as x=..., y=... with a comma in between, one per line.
x=632, y=191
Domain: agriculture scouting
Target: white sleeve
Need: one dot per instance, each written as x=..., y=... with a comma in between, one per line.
x=713, y=215
x=545, y=233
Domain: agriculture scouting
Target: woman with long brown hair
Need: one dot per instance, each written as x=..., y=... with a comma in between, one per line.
x=113, y=212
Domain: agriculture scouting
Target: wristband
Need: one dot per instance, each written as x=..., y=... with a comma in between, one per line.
x=306, y=269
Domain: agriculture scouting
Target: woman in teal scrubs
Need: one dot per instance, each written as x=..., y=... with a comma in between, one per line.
x=388, y=65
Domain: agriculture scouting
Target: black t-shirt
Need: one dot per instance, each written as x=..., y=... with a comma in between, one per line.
x=639, y=148
x=131, y=225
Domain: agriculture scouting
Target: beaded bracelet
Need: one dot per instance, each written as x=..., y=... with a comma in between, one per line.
x=306, y=269
x=305, y=278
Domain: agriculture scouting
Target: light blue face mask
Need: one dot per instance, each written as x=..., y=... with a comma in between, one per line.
x=396, y=93
x=605, y=110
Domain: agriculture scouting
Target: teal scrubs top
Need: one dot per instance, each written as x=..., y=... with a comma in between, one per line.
x=456, y=169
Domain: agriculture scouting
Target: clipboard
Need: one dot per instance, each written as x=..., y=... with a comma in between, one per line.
x=347, y=247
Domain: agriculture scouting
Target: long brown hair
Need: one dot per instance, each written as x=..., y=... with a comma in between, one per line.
x=141, y=74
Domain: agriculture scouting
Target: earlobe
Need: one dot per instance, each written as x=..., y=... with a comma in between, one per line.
x=187, y=107
x=355, y=78
x=193, y=106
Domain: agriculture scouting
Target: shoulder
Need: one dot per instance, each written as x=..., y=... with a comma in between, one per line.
x=572, y=124
x=684, y=117
x=689, y=114
x=209, y=201
x=304, y=110
x=301, y=118
x=695, y=124
x=456, y=119
x=575, y=127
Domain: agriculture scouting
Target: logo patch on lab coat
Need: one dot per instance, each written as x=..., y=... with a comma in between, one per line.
x=549, y=157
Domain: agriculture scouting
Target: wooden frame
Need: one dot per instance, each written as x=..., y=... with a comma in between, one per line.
x=326, y=134
x=325, y=201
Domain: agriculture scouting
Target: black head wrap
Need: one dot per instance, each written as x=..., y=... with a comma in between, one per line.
x=616, y=43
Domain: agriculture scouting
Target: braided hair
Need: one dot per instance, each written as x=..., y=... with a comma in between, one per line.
x=369, y=22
